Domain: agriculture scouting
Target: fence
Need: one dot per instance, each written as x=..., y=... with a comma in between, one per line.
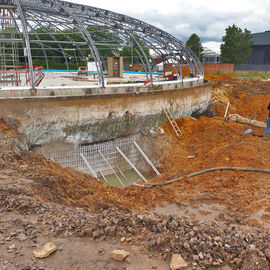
x=20, y=75
x=252, y=68
x=218, y=68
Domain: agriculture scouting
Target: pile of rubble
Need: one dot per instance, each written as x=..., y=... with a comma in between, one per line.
x=202, y=245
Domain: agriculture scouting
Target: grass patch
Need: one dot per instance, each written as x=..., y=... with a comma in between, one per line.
x=251, y=76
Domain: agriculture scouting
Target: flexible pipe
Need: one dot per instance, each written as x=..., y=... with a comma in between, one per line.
x=207, y=171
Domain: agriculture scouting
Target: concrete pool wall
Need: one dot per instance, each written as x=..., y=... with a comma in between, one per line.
x=90, y=118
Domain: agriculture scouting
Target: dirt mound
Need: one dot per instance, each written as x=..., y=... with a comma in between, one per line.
x=248, y=97
x=218, y=77
x=9, y=127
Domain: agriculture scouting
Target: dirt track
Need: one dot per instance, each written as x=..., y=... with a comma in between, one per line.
x=228, y=197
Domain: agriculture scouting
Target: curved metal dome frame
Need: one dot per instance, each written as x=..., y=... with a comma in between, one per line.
x=30, y=15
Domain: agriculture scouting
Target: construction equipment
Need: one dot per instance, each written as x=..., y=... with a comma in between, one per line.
x=82, y=71
x=173, y=122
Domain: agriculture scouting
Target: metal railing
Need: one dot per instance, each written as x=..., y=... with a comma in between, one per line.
x=20, y=75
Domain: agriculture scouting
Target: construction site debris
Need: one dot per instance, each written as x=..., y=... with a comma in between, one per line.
x=177, y=262
x=213, y=220
x=239, y=119
x=45, y=251
x=202, y=243
x=119, y=254
x=254, y=259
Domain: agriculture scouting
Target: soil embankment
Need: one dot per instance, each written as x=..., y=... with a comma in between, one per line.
x=214, y=220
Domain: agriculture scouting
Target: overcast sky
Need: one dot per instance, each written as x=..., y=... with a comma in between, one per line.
x=207, y=18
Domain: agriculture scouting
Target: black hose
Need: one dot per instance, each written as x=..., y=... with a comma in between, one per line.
x=209, y=170
x=227, y=148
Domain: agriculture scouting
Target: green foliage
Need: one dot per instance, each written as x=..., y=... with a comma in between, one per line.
x=237, y=45
x=108, y=43
x=54, y=52
x=194, y=43
x=132, y=50
x=101, y=34
x=251, y=75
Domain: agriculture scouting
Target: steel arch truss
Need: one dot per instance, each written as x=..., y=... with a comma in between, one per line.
x=75, y=33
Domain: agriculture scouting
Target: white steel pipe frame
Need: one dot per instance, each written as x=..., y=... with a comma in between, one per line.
x=131, y=164
x=111, y=168
x=27, y=43
x=103, y=176
x=147, y=159
x=92, y=172
x=226, y=111
x=96, y=27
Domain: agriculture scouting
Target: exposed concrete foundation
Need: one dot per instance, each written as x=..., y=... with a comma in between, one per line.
x=94, y=118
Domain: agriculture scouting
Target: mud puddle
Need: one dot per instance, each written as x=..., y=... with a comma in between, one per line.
x=201, y=212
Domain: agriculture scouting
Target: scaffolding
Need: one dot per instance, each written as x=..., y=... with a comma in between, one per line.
x=9, y=52
x=13, y=48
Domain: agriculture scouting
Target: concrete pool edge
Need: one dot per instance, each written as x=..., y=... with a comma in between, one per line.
x=93, y=91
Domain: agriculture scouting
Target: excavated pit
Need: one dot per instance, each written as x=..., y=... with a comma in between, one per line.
x=238, y=192
x=117, y=162
x=210, y=214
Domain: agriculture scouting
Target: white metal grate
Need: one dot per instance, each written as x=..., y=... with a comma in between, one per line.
x=69, y=156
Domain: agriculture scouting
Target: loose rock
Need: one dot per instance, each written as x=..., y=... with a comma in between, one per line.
x=177, y=262
x=45, y=251
x=119, y=255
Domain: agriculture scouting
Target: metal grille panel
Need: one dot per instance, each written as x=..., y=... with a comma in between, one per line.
x=69, y=156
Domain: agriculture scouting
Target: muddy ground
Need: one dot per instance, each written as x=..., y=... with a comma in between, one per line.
x=217, y=220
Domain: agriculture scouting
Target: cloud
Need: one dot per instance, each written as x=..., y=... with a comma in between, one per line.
x=212, y=45
x=208, y=19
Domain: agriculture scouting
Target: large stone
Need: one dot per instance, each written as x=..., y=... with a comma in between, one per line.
x=177, y=262
x=45, y=251
x=119, y=254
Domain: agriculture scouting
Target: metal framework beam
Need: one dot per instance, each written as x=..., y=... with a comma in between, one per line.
x=90, y=30
x=27, y=43
x=109, y=165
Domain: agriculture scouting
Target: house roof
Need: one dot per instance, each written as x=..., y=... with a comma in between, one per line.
x=261, y=38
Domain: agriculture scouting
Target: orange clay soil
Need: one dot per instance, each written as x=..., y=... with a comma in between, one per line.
x=248, y=97
x=242, y=193
x=200, y=142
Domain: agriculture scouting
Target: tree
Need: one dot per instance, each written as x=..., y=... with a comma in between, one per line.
x=237, y=45
x=194, y=43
